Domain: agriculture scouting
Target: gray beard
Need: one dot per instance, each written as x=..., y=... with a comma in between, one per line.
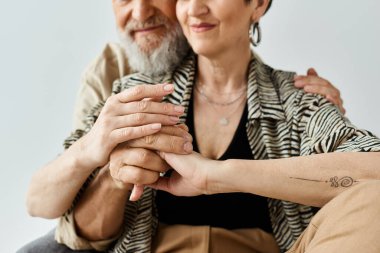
x=159, y=61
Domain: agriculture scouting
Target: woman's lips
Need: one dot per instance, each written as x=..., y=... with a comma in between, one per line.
x=203, y=27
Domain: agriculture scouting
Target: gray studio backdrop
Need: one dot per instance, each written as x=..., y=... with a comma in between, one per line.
x=45, y=45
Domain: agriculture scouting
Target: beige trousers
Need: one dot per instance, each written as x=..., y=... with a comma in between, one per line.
x=350, y=223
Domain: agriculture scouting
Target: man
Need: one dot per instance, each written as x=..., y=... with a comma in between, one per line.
x=153, y=44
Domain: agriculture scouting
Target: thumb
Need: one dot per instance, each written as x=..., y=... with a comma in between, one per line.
x=162, y=184
x=137, y=192
x=173, y=160
x=183, y=164
x=312, y=72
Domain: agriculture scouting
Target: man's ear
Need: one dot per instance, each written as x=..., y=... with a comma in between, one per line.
x=259, y=10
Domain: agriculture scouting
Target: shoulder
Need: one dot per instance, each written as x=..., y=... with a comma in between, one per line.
x=110, y=65
x=280, y=83
x=111, y=61
x=181, y=76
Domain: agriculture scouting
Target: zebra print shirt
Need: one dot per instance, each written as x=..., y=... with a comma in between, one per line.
x=282, y=122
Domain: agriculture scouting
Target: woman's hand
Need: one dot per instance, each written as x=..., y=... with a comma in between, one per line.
x=190, y=176
x=312, y=83
x=126, y=116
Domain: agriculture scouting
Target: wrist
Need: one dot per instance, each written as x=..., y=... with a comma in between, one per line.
x=217, y=179
x=82, y=156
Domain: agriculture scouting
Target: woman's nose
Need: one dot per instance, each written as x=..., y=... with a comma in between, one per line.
x=197, y=8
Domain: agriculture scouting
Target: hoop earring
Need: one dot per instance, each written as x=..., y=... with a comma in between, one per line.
x=255, y=28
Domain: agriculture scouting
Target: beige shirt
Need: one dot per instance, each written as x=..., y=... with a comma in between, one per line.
x=97, y=79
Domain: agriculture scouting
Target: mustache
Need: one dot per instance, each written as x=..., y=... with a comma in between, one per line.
x=156, y=20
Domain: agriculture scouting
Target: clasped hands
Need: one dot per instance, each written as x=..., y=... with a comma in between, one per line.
x=140, y=137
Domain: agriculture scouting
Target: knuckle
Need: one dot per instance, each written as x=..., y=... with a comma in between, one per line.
x=137, y=90
x=139, y=118
x=173, y=143
x=142, y=131
x=107, y=106
x=166, y=107
x=157, y=90
x=142, y=156
x=142, y=105
x=114, y=172
x=111, y=101
x=124, y=133
x=150, y=139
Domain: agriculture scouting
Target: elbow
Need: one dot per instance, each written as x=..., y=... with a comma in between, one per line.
x=36, y=208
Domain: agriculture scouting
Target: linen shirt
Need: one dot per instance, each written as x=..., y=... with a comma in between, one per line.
x=282, y=122
x=97, y=80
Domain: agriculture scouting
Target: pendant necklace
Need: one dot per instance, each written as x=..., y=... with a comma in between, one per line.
x=223, y=120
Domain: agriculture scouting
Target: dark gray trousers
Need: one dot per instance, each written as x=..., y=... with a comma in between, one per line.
x=47, y=244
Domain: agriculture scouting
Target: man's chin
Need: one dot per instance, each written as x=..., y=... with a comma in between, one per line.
x=148, y=49
x=148, y=45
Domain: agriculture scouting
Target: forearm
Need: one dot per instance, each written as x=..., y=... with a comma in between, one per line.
x=99, y=213
x=54, y=186
x=311, y=180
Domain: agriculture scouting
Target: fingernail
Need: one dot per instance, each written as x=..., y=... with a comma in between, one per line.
x=188, y=147
x=188, y=137
x=168, y=87
x=179, y=108
x=174, y=119
x=155, y=126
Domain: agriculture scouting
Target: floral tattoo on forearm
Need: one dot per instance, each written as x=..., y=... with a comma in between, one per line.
x=335, y=182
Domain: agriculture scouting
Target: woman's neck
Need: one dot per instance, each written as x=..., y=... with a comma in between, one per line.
x=226, y=72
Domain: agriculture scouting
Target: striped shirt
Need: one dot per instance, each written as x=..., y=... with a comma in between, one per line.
x=282, y=122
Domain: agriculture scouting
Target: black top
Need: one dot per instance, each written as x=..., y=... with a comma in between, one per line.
x=228, y=210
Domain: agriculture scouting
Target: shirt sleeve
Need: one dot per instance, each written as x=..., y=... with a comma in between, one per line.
x=66, y=234
x=327, y=130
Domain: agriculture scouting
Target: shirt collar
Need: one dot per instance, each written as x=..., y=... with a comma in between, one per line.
x=264, y=99
x=263, y=95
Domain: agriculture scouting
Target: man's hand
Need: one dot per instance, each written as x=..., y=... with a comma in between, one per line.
x=312, y=83
x=126, y=116
x=137, y=163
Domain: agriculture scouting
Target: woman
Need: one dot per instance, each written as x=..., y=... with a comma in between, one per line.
x=267, y=127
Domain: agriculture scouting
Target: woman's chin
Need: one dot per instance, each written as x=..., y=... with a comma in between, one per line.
x=204, y=51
